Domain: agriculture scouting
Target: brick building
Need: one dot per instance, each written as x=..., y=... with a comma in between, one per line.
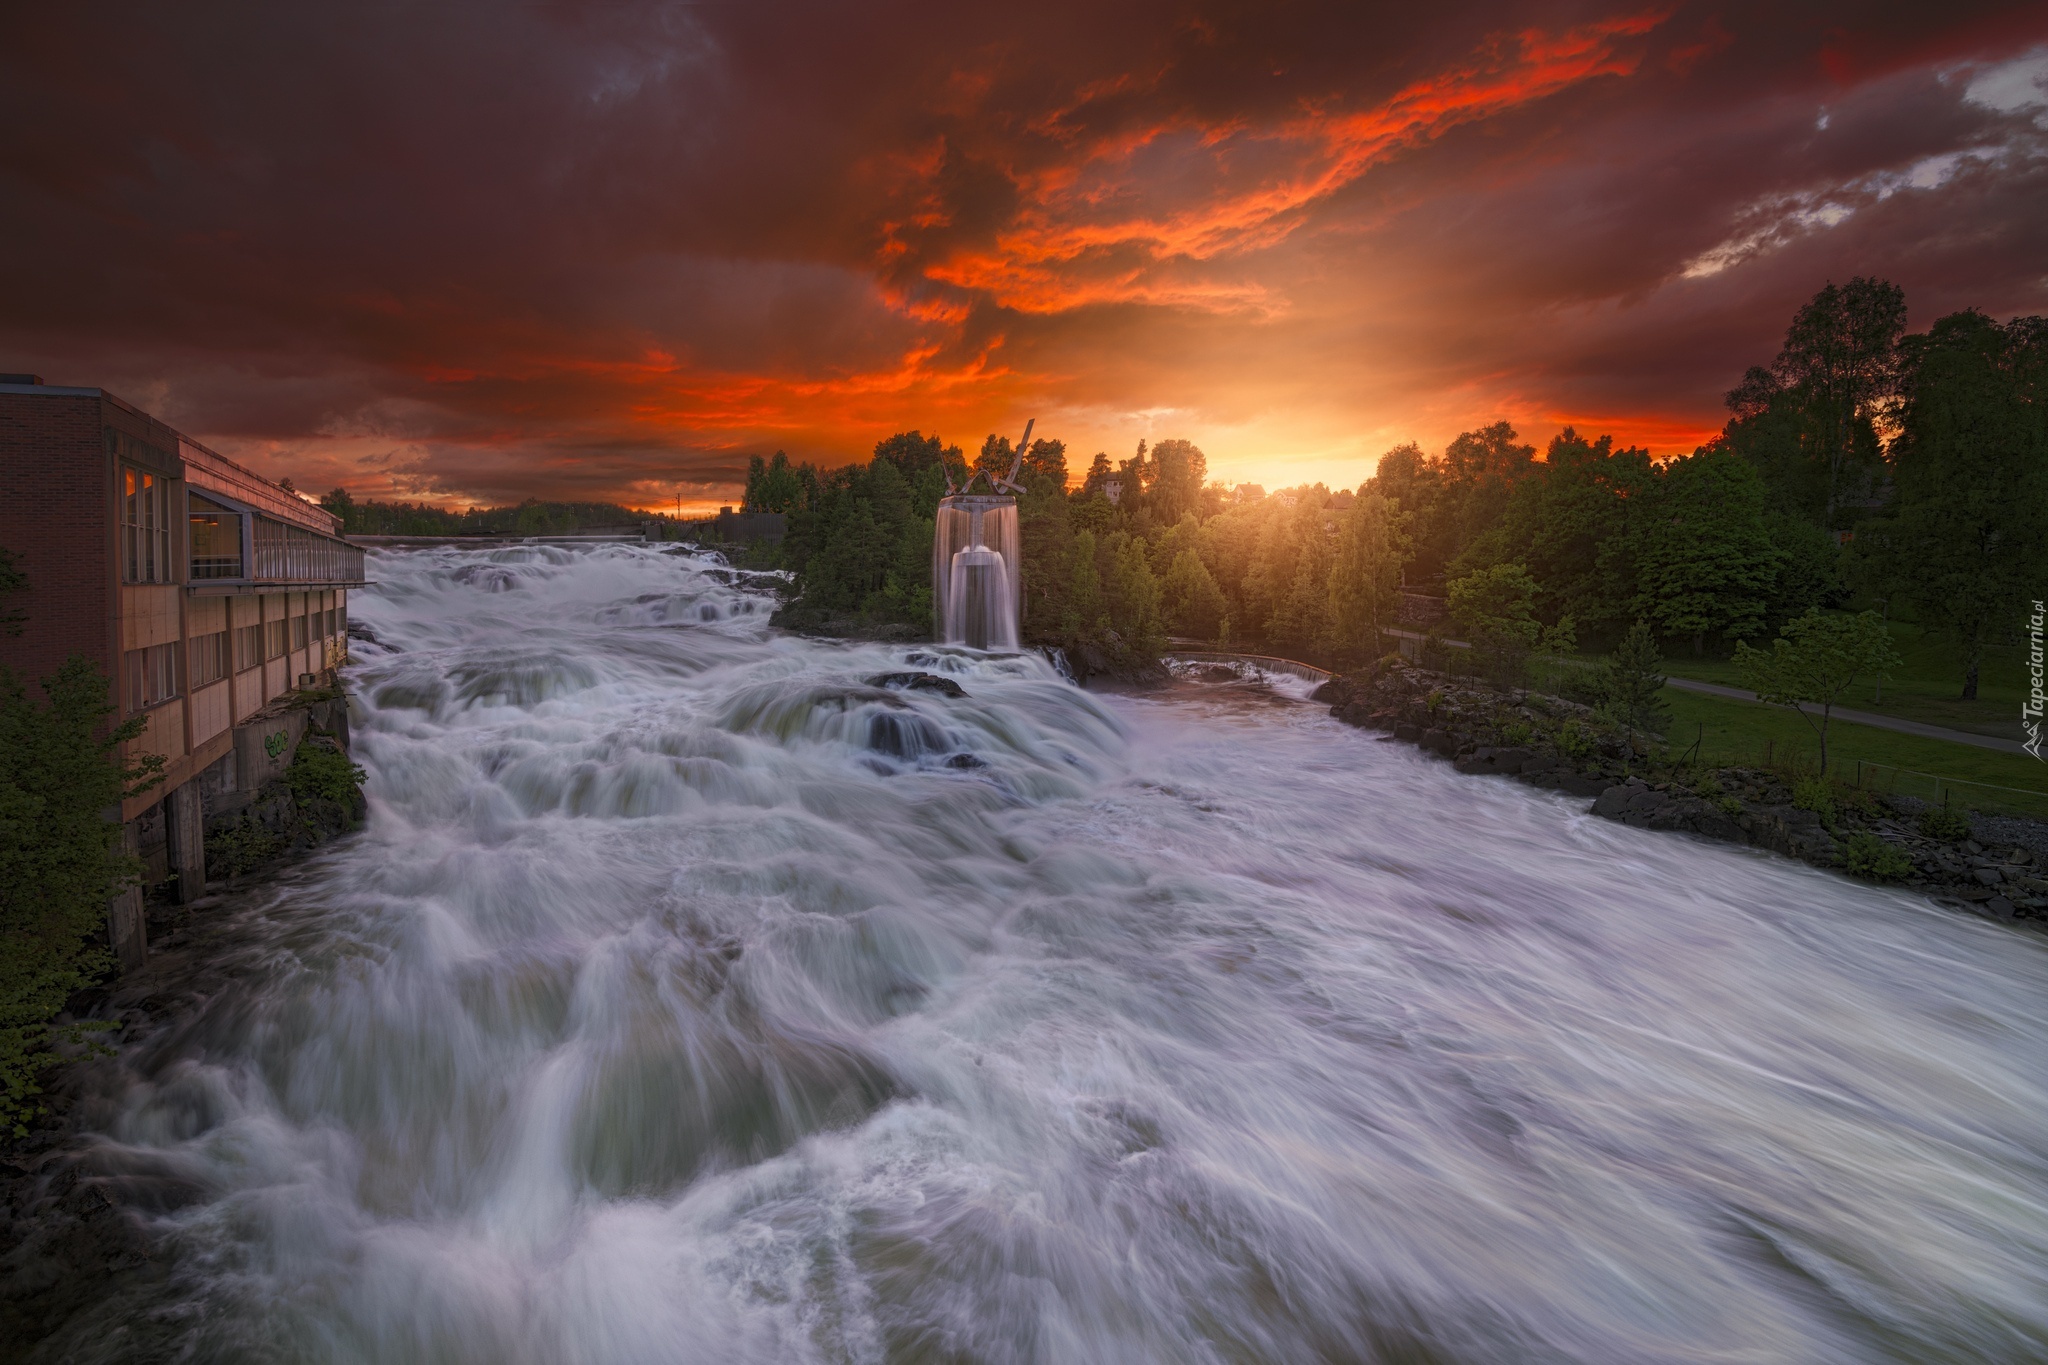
x=204, y=592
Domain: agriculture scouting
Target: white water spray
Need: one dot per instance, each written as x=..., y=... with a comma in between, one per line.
x=689, y=999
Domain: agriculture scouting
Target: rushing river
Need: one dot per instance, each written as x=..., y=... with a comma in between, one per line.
x=686, y=1000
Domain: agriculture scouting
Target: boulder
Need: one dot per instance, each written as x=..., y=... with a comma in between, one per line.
x=917, y=682
x=1612, y=803
x=1439, y=742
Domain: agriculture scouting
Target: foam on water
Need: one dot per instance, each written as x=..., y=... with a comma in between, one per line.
x=688, y=999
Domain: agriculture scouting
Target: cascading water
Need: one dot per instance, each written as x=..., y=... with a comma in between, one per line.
x=975, y=562
x=689, y=999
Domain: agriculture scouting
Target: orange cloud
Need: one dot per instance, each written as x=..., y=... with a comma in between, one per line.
x=1087, y=231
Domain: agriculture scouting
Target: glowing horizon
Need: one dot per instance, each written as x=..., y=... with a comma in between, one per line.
x=605, y=262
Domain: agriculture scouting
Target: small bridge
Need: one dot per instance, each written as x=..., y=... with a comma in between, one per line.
x=1264, y=662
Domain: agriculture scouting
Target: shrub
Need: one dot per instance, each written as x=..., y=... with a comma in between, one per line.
x=1866, y=855
x=1814, y=794
x=1944, y=824
x=320, y=771
x=240, y=848
x=1516, y=733
x=1729, y=806
x=60, y=769
x=1574, y=742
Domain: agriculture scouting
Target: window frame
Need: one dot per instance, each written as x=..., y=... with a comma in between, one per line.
x=149, y=669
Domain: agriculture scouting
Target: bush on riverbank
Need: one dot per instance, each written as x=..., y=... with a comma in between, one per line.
x=60, y=859
x=319, y=796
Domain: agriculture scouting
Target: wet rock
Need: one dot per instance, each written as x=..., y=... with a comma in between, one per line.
x=1999, y=908
x=1987, y=876
x=1439, y=742
x=1487, y=759
x=1612, y=802
x=917, y=682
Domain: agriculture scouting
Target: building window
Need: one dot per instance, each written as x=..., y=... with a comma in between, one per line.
x=274, y=638
x=298, y=632
x=152, y=676
x=145, y=527
x=209, y=658
x=248, y=646
x=216, y=541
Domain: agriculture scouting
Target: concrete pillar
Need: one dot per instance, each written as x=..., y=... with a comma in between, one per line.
x=127, y=929
x=187, y=839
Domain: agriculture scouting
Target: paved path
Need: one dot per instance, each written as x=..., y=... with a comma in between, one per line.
x=1904, y=727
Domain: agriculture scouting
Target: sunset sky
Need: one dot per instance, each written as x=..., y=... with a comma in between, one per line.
x=478, y=252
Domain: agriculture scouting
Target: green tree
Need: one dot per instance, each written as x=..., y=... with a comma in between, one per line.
x=343, y=507
x=1179, y=469
x=1704, y=558
x=1632, y=684
x=1496, y=607
x=1133, y=600
x=773, y=485
x=1301, y=623
x=60, y=859
x=1365, y=580
x=1841, y=361
x=1572, y=523
x=1085, y=615
x=1814, y=660
x=1190, y=600
x=1969, y=530
x=1459, y=497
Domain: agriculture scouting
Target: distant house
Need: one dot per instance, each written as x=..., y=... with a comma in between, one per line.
x=202, y=590
x=1113, y=488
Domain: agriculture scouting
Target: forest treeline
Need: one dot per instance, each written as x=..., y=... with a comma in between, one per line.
x=1911, y=468
x=530, y=518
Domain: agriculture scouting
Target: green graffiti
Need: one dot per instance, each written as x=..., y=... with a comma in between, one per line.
x=276, y=744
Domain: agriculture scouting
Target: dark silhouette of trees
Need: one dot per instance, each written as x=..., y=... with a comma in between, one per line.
x=1966, y=534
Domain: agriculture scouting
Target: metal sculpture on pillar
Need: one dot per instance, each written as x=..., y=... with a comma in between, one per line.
x=975, y=558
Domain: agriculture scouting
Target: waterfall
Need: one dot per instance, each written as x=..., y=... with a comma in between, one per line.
x=974, y=571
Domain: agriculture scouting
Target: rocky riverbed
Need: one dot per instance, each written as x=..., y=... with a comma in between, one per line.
x=1993, y=866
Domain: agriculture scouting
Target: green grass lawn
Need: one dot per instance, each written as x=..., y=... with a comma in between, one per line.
x=1743, y=733
x=1927, y=688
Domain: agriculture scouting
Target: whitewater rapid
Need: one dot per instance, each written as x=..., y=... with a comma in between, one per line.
x=688, y=1000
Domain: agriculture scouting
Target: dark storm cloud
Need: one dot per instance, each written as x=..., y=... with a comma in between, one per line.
x=609, y=249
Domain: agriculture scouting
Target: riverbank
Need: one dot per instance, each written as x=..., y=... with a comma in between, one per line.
x=1991, y=866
